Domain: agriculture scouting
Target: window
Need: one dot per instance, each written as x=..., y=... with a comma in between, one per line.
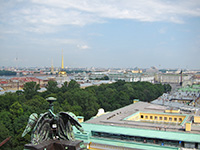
x=170, y=119
x=156, y=117
x=141, y=116
x=160, y=118
x=171, y=143
x=180, y=119
x=146, y=117
x=151, y=117
x=139, y=139
x=96, y=133
x=175, y=119
x=165, y=118
x=142, y=139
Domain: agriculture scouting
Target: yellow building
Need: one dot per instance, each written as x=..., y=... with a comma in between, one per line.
x=172, y=110
x=157, y=117
x=188, y=126
x=196, y=119
x=80, y=119
x=137, y=71
x=135, y=101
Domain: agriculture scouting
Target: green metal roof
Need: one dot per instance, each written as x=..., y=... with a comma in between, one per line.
x=196, y=86
x=168, y=135
x=80, y=117
x=127, y=144
x=193, y=88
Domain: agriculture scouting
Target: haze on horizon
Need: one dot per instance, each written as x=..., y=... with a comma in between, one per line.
x=98, y=33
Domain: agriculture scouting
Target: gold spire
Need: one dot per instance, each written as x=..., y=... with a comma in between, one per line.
x=52, y=68
x=62, y=66
x=62, y=72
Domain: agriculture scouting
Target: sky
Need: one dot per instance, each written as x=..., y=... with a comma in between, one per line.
x=100, y=33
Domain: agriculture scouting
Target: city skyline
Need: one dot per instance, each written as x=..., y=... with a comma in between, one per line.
x=99, y=33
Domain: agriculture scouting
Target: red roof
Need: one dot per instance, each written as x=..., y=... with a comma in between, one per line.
x=197, y=76
x=26, y=79
x=3, y=82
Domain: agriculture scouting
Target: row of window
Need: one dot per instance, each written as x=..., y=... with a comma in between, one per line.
x=161, y=118
x=146, y=140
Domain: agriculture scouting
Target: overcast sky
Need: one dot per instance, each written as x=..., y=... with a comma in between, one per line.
x=100, y=33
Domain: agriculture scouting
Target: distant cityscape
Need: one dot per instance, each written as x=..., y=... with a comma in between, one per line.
x=94, y=76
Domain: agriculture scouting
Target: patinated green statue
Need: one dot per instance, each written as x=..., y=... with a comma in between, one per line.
x=52, y=126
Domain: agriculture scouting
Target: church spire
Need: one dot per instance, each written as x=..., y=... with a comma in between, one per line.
x=62, y=66
x=62, y=71
x=52, y=68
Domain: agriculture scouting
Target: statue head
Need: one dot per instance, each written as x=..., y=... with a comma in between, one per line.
x=51, y=100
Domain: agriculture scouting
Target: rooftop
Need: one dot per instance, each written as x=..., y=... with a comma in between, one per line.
x=180, y=136
x=119, y=118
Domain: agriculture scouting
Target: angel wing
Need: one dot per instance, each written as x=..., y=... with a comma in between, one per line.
x=66, y=121
x=31, y=123
x=71, y=117
x=41, y=130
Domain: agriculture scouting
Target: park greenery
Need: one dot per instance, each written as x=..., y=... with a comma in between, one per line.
x=17, y=107
x=103, y=78
x=7, y=73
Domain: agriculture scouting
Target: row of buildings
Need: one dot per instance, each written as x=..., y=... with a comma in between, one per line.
x=17, y=83
x=94, y=77
x=185, y=79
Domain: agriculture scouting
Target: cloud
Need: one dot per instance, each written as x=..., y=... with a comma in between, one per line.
x=43, y=16
x=152, y=10
x=83, y=46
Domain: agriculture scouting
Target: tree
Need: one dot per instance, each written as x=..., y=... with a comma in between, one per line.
x=64, y=87
x=31, y=89
x=16, y=109
x=4, y=134
x=123, y=99
x=119, y=83
x=167, y=88
x=37, y=104
x=7, y=100
x=6, y=120
x=52, y=87
x=105, y=78
x=73, y=85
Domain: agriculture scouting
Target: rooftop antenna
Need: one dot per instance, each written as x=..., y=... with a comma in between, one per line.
x=16, y=59
x=52, y=68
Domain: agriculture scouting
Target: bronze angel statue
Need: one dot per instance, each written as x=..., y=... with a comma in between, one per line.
x=52, y=126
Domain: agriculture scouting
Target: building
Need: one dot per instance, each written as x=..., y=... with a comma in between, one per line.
x=172, y=78
x=196, y=79
x=142, y=126
x=136, y=70
x=183, y=97
x=62, y=72
x=17, y=83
